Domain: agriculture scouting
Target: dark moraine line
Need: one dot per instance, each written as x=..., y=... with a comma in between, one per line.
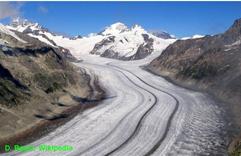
x=137, y=129
x=154, y=148
x=99, y=142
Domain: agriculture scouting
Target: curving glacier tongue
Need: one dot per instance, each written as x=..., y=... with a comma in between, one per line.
x=147, y=116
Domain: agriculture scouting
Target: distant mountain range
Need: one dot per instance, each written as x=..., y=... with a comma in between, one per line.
x=115, y=41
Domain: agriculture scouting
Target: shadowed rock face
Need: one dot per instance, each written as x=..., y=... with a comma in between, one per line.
x=144, y=49
x=11, y=90
x=41, y=69
x=211, y=63
x=102, y=43
x=33, y=76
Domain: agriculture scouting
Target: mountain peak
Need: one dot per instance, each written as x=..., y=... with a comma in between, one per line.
x=237, y=23
x=234, y=32
x=118, y=26
x=115, y=28
x=23, y=22
x=23, y=25
x=138, y=29
x=5, y=30
x=236, y=26
x=136, y=26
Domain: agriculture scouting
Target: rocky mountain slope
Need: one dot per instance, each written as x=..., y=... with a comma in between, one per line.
x=36, y=83
x=211, y=63
x=116, y=41
x=34, y=30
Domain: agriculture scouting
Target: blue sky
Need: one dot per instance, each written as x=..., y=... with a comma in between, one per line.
x=179, y=18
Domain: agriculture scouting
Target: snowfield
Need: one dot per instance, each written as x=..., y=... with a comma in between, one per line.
x=144, y=115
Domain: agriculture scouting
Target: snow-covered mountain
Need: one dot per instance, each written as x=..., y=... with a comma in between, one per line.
x=32, y=29
x=7, y=35
x=115, y=41
x=125, y=43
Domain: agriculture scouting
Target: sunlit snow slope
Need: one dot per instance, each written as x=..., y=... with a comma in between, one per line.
x=116, y=41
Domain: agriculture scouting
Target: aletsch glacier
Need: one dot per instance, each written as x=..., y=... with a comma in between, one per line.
x=146, y=115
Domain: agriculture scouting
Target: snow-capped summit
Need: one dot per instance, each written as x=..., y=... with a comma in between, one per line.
x=126, y=43
x=114, y=29
x=39, y=32
x=4, y=30
x=23, y=25
x=32, y=29
x=116, y=41
x=137, y=28
x=23, y=22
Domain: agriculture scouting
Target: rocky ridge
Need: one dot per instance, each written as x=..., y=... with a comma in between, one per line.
x=210, y=63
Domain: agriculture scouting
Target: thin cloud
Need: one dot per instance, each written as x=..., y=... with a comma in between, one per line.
x=43, y=9
x=9, y=9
